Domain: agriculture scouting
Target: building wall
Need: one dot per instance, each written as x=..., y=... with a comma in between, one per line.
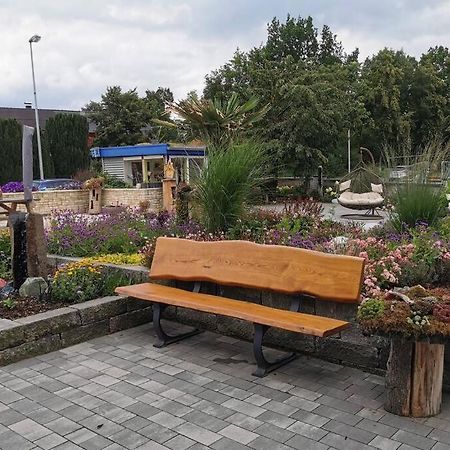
x=77, y=200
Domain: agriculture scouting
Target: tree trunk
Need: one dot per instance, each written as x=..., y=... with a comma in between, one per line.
x=414, y=378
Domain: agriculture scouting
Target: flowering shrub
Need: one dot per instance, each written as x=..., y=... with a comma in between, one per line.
x=12, y=186
x=77, y=282
x=116, y=258
x=410, y=312
x=419, y=255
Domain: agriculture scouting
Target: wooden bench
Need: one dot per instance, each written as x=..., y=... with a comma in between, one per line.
x=288, y=270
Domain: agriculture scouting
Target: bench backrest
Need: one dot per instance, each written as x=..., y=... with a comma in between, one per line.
x=267, y=267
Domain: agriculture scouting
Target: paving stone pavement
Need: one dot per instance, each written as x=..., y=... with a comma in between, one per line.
x=119, y=392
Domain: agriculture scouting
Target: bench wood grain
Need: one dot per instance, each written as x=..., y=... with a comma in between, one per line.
x=252, y=312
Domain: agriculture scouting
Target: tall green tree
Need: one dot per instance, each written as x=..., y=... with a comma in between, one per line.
x=384, y=78
x=66, y=141
x=125, y=118
x=11, y=150
x=47, y=159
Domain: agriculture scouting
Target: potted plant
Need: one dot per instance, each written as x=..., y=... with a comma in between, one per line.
x=417, y=324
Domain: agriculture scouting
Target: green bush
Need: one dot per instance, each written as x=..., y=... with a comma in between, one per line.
x=5, y=255
x=224, y=187
x=77, y=282
x=415, y=203
x=370, y=309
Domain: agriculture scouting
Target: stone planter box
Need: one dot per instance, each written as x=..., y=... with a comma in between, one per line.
x=58, y=328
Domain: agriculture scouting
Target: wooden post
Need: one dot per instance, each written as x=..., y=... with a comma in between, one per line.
x=414, y=378
x=168, y=194
x=37, y=262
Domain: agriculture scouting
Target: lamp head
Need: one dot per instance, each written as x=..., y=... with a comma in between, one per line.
x=35, y=38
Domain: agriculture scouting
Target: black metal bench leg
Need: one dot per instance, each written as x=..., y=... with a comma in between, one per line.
x=164, y=338
x=264, y=366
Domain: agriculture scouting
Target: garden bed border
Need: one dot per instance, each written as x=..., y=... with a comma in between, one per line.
x=58, y=328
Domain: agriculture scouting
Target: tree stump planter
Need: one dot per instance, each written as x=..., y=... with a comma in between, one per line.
x=414, y=378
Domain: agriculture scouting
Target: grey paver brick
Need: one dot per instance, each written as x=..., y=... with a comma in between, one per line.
x=341, y=405
x=343, y=443
x=264, y=443
x=29, y=429
x=311, y=418
x=332, y=413
x=129, y=439
x=244, y=421
x=238, y=434
x=384, y=443
x=96, y=443
x=440, y=446
x=136, y=423
x=354, y=433
x=63, y=426
x=276, y=419
x=197, y=433
x=440, y=435
x=206, y=421
x=377, y=428
x=179, y=443
x=166, y=419
x=307, y=430
x=80, y=435
x=243, y=407
x=157, y=433
x=9, y=416
x=403, y=423
x=50, y=441
x=273, y=432
x=304, y=443
x=413, y=439
x=101, y=425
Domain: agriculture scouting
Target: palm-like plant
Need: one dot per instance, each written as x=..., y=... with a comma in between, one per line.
x=217, y=122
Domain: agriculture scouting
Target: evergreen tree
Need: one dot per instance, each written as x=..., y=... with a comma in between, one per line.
x=66, y=141
x=11, y=150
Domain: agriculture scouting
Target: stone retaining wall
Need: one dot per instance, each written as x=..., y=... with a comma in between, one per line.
x=78, y=200
x=52, y=330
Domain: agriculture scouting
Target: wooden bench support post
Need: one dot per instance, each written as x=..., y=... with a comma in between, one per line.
x=264, y=366
x=164, y=338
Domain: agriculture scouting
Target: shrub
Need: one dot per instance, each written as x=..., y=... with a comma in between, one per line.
x=415, y=203
x=224, y=186
x=5, y=255
x=77, y=282
x=370, y=309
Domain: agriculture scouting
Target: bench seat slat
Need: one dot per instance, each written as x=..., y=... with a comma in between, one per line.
x=252, y=312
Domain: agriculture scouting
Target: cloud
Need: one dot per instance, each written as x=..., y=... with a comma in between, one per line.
x=89, y=45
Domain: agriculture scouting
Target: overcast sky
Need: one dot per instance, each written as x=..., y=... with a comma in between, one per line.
x=89, y=45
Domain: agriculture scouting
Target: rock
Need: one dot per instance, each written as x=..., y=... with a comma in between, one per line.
x=33, y=287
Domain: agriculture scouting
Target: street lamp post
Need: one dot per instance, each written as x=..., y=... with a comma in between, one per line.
x=32, y=40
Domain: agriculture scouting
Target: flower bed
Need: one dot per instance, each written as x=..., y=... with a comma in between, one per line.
x=420, y=255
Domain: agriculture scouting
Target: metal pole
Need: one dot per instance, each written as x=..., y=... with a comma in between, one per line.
x=36, y=113
x=349, y=153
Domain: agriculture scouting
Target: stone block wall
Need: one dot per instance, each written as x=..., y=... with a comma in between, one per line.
x=78, y=200
x=52, y=330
